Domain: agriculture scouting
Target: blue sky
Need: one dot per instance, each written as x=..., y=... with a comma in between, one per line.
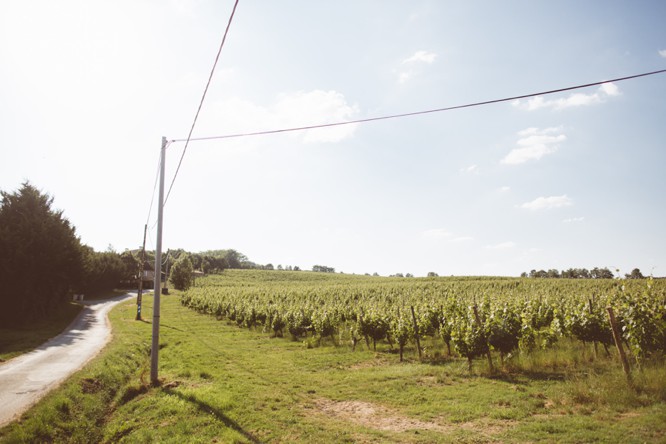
x=88, y=88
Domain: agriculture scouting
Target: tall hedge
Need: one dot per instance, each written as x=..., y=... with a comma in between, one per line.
x=40, y=255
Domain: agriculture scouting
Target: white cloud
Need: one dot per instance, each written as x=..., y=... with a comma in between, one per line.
x=662, y=52
x=576, y=99
x=504, y=189
x=542, y=203
x=421, y=57
x=610, y=89
x=289, y=110
x=533, y=144
x=573, y=220
x=472, y=169
x=501, y=246
x=413, y=64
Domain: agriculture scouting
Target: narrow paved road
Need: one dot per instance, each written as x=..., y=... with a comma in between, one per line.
x=27, y=378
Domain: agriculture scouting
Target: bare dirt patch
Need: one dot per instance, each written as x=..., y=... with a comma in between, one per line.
x=375, y=416
x=91, y=385
x=378, y=417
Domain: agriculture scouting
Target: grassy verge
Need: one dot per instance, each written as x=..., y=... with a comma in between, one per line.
x=17, y=340
x=225, y=384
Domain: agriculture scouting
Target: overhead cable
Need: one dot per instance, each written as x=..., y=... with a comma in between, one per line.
x=203, y=96
x=416, y=113
x=152, y=198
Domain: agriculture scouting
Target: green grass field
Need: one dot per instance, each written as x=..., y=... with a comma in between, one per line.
x=221, y=383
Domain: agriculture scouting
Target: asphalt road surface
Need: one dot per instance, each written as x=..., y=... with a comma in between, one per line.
x=26, y=379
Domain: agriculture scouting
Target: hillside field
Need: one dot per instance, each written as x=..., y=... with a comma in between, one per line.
x=259, y=356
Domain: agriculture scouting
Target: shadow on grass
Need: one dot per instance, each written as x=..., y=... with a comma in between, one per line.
x=207, y=408
x=510, y=374
x=518, y=377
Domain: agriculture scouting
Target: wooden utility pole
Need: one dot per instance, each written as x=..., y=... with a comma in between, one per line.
x=155, y=345
x=140, y=284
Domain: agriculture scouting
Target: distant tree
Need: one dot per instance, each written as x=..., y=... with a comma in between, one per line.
x=206, y=265
x=197, y=260
x=101, y=271
x=181, y=273
x=523, y=274
x=601, y=273
x=297, y=268
x=130, y=266
x=375, y=274
x=553, y=273
x=323, y=269
x=40, y=257
x=409, y=275
x=269, y=267
x=235, y=259
x=635, y=274
x=569, y=274
x=432, y=274
x=583, y=273
x=279, y=267
x=605, y=273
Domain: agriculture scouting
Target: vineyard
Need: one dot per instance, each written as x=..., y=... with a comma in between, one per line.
x=490, y=318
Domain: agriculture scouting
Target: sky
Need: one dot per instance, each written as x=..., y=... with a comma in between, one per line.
x=88, y=89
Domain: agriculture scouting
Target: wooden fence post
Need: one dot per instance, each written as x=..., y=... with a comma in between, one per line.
x=618, y=343
x=416, y=332
x=480, y=325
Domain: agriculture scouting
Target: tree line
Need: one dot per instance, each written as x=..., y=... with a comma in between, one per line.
x=581, y=273
x=43, y=261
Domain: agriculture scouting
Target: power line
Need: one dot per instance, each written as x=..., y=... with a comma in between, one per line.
x=416, y=113
x=152, y=198
x=196, y=116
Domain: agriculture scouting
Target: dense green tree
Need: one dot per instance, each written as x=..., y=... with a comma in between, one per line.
x=181, y=273
x=101, y=271
x=130, y=265
x=601, y=273
x=41, y=255
x=553, y=273
x=224, y=259
x=635, y=274
x=235, y=259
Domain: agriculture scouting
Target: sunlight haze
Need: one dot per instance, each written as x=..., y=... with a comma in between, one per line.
x=575, y=179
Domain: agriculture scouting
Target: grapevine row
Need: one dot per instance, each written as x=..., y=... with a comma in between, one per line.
x=471, y=316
